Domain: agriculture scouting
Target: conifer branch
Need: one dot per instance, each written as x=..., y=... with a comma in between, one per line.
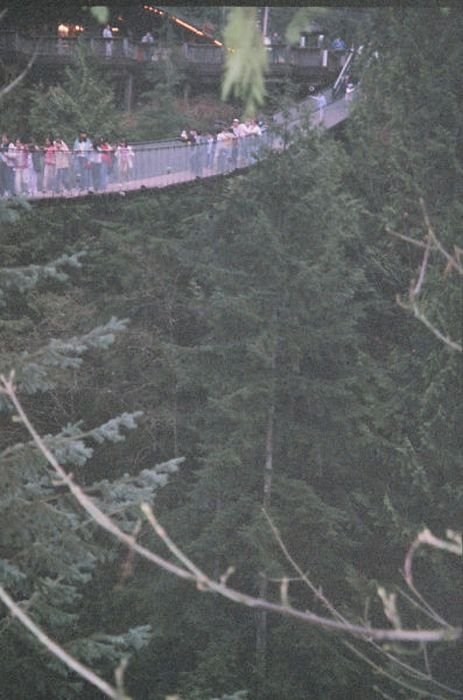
x=58, y=651
x=87, y=503
x=192, y=573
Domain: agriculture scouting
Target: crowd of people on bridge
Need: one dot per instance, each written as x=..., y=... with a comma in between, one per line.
x=226, y=148
x=95, y=164
x=30, y=169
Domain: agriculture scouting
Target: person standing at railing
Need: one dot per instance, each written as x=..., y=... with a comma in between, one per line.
x=253, y=132
x=82, y=148
x=49, y=167
x=223, y=150
x=107, y=36
x=234, y=142
x=34, y=166
x=95, y=167
x=20, y=167
x=63, y=163
x=210, y=150
x=7, y=162
x=240, y=131
x=198, y=153
x=107, y=160
x=148, y=45
x=276, y=45
x=125, y=158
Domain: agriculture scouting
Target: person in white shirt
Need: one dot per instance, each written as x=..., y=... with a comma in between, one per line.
x=148, y=41
x=81, y=149
x=253, y=132
x=107, y=36
x=125, y=157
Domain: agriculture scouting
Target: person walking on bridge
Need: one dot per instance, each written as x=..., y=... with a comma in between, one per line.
x=321, y=103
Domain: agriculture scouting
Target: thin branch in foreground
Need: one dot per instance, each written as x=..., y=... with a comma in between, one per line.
x=453, y=545
x=417, y=288
x=58, y=651
x=414, y=308
x=432, y=236
x=205, y=583
x=200, y=578
x=408, y=670
x=11, y=85
x=97, y=515
x=431, y=243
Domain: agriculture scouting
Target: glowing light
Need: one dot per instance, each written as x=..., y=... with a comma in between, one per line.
x=187, y=26
x=153, y=9
x=65, y=30
x=182, y=23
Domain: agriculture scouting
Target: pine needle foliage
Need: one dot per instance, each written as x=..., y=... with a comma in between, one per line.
x=84, y=100
x=49, y=550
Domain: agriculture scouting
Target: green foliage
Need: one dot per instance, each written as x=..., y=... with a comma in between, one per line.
x=270, y=294
x=84, y=100
x=50, y=551
x=246, y=59
x=301, y=18
x=157, y=115
x=100, y=12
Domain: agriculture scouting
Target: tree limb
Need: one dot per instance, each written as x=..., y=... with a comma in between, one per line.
x=192, y=573
x=58, y=651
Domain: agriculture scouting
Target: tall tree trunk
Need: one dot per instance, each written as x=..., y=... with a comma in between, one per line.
x=261, y=625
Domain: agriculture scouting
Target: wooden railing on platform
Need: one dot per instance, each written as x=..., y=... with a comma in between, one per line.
x=200, y=57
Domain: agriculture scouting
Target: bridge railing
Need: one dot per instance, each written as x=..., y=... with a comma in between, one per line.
x=202, y=55
x=50, y=46
x=158, y=164
x=276, y=55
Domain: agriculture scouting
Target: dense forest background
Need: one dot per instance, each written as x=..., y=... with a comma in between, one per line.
x=252, y=336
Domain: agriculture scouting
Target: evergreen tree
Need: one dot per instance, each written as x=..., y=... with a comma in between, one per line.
x=83, y=100
x=406, y=168
x=273, y=372
x=49, y=551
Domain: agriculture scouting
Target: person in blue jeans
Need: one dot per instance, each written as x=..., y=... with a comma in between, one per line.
x=82, y=149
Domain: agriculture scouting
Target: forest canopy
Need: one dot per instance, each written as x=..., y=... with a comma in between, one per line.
x=271, y=363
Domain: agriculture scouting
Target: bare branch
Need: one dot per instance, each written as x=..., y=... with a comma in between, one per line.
x=454, y=260
x=408, y=239
x=424, y=319
x=453, y=263
x=87, y=504
x=417, y=289
x=405, y=668
x=454, y=546
x=200, y=578
x=14, y=83
x=58, y=651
